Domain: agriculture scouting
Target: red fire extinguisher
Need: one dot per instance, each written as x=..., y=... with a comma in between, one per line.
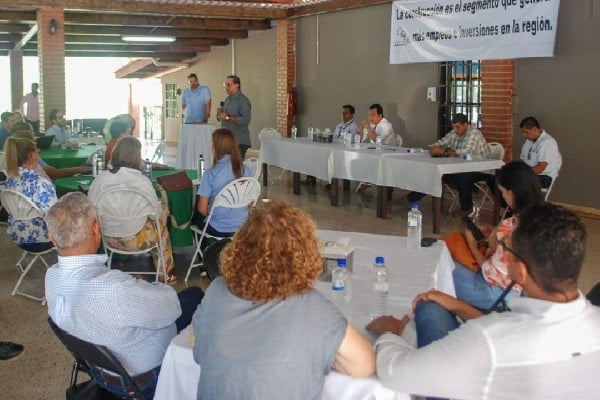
x=292, y=101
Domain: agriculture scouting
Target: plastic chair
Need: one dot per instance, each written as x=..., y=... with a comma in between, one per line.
x=546, y=191
x=239, y=193
x=87, y=356
x=119, y=206
x=271, y=134
x=23, y=209
x=254, y=164
x=158, y=152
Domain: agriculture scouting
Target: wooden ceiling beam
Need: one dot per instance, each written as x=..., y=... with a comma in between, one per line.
x=131, y=30
x=156, y=8
x=331, y=6
x=174, y=48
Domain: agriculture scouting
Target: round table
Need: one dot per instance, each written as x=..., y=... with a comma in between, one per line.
x=58, y=157
x=180, y=201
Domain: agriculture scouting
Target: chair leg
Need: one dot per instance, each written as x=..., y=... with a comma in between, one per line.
x=197, y=255
x=23, y=274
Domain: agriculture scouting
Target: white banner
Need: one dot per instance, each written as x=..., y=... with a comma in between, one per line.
x=453, y=30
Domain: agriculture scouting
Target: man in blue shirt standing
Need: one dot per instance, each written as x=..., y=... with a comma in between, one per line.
x=196, y=102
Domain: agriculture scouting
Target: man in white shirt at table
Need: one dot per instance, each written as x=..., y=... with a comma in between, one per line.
x=540, y=151
x=59, y=126
x=547, y=347
x=378, y=129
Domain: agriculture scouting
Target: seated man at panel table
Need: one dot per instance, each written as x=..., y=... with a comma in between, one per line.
x=462, y=139
x=379, y=129
x=133, y=318
x=546, y=347
x=59, y=126
x=347, y=128
x=540, y=151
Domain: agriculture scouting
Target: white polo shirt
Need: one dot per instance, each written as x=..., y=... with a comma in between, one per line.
x=544, y=149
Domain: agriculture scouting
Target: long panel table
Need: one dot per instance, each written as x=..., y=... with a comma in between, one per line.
x=390, y=166
x=194, y=139
x=410, y=272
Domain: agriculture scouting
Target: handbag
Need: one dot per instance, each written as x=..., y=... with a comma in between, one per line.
x=172, y=183
x=460, y=251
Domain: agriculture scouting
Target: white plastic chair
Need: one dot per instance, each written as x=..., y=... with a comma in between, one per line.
x=254, y=164
x=158, y=152
x=271, y=134
x=495, y=152
x=120, y=205
x=21, y=208
x=239, y=193
x=546, y=191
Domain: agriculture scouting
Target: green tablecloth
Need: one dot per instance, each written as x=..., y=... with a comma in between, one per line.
x=180, y=201
x=65, y=158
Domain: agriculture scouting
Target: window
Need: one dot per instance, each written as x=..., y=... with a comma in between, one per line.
x=459, y=92
x=171, y=102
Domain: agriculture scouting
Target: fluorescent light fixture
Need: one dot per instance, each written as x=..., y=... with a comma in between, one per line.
x=156, y=39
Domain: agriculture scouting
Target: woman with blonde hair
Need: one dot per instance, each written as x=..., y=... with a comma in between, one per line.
x=227, y=166
x=22, y=161
x=126, y=161
x=262, y=329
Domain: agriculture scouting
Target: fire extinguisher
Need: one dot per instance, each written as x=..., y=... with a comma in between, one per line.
x=292, y=101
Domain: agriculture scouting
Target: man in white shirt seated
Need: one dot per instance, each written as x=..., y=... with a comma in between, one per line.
x=133, y=318
x=546, y=347
x=540, y=151
x=378, y=129
x=59, y=126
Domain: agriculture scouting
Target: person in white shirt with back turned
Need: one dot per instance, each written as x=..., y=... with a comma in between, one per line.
x=540, y=151
x=546, y=347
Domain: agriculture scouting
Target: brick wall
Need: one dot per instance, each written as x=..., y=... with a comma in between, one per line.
x=497, y=87
x=51, y=55
x=286, y=72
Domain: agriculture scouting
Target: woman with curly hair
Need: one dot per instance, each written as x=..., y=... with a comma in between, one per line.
x=262, y=331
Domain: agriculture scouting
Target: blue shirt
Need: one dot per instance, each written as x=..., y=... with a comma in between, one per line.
x=214, y=179
x=43, y=194
x=60, y=133
x=133, y=318
x=194, y=102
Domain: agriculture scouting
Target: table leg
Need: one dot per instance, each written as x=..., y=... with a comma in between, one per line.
x=346, y=185
x=265, y=174
x=382, y=209
x=436, y=207
x=335, y=192
x=296, y=182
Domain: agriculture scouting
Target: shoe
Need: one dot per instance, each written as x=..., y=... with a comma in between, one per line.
x=171, y=279
x=309, y=181
x=10, y=350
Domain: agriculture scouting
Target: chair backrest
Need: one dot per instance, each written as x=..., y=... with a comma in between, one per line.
x=18, y=205
x=119, y=205
x=239, y=193
x=269, y=134
x=495, y=151
x=94, y=356
x=210, y=260
x=254, y=165
x=398, y=140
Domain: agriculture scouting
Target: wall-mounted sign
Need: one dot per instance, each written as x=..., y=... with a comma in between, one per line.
x=438, y=30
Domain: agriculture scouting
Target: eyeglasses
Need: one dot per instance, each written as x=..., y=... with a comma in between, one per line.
x=511, y=251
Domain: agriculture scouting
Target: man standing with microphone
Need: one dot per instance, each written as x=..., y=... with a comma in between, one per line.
x=235, y=113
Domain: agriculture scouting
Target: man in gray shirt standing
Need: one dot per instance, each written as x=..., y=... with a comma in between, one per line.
x=235, y=113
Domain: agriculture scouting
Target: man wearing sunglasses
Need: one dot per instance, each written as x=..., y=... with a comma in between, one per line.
x=547, y=346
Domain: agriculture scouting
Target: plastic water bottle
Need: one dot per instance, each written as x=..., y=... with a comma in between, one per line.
x=413, y=227
x=95, y=164
x=340, y=286
x=148, y=169
x=200, y=166
x=379, y=289
x=294, y=132
x=311, y=132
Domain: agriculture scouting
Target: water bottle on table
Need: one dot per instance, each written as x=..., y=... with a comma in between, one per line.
x=379, y=289
x=294, y=132
x=413, y=227
x=148, y=169
x=341, y=287
x=200, y=166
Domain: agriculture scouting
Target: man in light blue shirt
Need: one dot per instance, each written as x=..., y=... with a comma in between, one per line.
x=133, y=318
x=58, y=128
x=196, y=102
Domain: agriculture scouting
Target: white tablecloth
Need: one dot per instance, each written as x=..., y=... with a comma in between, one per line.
x=194, y=139
x=390, y=167
x=410, y=272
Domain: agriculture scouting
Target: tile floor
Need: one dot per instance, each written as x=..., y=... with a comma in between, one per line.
x=43, y=370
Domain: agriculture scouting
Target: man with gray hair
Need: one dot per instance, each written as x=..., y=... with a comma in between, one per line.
x=133, y=318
